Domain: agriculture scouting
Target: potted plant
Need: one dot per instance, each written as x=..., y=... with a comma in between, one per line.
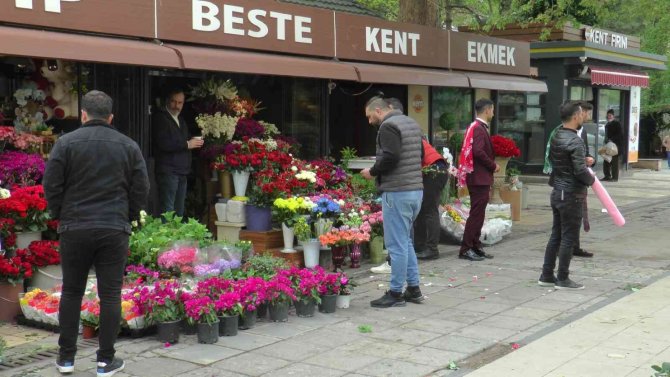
x=328, y=289
x=264, y=266
x=12, y=272
x=306, y=286
x=280, y=294
x=374, y=224
x=346, y=288
x=166, y=309
x=201, y=310
x=253, y=293
x=229, y=308
x=311, y=245
x=19, y=168
x=90, y=317
x=287, y=212
x=503, y=148
x=45, y=258
x=27, y=206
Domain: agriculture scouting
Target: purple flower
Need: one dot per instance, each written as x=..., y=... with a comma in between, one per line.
x=248, y=128
x=19, y=168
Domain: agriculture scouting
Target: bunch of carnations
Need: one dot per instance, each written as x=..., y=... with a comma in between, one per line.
x=373, y=223
x=27, y=207
x=43, y=253
x=140, y=274
x=26, y=141
x=343, y=236
x=164, y=303
x=504, y=147
x=241, y=156
x=288, y=210
x=20, y=169
x=180, y=259
x=328, y=175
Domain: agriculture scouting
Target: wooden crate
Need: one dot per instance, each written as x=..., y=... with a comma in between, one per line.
x=263, y=241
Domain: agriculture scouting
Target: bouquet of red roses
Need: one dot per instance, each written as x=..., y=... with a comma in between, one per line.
x=44, y=253
x=504, y=147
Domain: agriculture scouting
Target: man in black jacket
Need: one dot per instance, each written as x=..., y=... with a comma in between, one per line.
x=95, y=183
x=570, y=179
x=172, y=151
x=613, y=133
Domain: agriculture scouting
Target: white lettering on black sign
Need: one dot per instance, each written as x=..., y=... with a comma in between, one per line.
x=605, y=38
x=389, y=41
x=489, y=53
x=255, y=23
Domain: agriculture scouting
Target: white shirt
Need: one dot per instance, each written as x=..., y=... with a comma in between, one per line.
x=175, y=117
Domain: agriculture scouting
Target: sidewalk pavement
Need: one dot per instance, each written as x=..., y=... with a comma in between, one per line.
x=473, y=314
x=624, y=338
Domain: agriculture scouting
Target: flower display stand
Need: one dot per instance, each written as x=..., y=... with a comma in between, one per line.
x=23, y=239
x=514, y=199
x=294, y=258
x=263, y=241
x=228, y=231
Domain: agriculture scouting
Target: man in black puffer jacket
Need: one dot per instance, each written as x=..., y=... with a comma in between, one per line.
x=95, y=183
x=570, y=180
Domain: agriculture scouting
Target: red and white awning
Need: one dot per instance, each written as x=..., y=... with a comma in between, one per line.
x=614, y=77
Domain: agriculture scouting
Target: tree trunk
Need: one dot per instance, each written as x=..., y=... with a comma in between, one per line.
x=422, y=12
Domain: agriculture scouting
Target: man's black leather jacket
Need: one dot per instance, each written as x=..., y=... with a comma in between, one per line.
x=567, y=158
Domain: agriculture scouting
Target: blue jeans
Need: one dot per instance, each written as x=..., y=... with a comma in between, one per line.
x=667, y=154
x=171, y=193
x=399, y=210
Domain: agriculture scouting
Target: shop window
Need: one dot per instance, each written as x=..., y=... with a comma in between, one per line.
x=452, y=111
x=608, y=99
x=303, y=115
x=584, y=93
x=521, y=117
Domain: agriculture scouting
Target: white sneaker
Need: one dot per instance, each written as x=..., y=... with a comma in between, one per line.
x=384, y=268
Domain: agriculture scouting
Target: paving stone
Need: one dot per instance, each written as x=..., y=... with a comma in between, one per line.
x=251, y=363
x=433, y=324
x=210, y=372
x=342, y=360
x=531, y=313
x=406, y=336
x=281, y=330
x=549, y=304
x=579, y=367
x=327, y=337
x=433, y=357
x=300, y=369
x=479, y=331
x=457, y=315
x=483, y=307
x=247, y=341
x=506, y=322
x=203, y=354
x=459, y=343
x=393, y=368
x=292, y=350
x=320, y=319
x=375, y=347
x=159, y=367
x=351, y=326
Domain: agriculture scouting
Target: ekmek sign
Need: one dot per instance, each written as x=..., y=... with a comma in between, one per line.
x=49, y=5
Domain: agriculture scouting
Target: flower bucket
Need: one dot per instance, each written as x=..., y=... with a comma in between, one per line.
x=240, y=181
x=168, y=332
x=47, y=277
x=259, y=219
x=305, y=308
x=289, y=235
x=279, y=311
x=221, y=211
x=322, y=227
x=225, y=187
x=262, y=311
x=355, y=255
x=208, y=333
x=328, y=304
x=343, y=301
x=311, y=250
x=247, y=320
x=338, y=257
x=377, y=250
x=228, y=325
x=137, y=323
x=188, y=328
x=9, y=300
x=23, y=239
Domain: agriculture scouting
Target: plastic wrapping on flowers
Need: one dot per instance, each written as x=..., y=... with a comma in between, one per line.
x=453, y=217
x=179, y=259
x=216, y=259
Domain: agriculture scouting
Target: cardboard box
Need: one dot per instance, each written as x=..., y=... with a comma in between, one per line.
x=263, y=241
x=514, y=199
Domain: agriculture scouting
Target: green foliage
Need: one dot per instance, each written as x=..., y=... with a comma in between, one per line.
x=263, y=265
x=347, y=154
x=385, y=8
x=662, y=371
x=155, y=236
x=364, y=329
x=302, y=229
x=364, y=188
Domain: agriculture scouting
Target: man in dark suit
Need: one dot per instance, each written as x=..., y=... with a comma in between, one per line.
x=479, y=182
x=172, y=151
x=613, y=133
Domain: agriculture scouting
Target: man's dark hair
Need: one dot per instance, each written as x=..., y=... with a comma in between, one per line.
x=568, y=110
x=172, y=91
x=610, y=111
x=377, y=102
x=97, y=104
x=395, y=104
x=585, y=105
x=482, y=104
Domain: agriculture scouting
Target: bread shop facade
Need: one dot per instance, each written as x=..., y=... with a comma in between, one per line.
x=313, y=69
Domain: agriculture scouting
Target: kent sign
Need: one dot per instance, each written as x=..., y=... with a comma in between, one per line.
x=280, y=28
x=606, y=38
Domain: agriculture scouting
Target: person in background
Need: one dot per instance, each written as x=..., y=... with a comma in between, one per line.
x=96, y=184
x=397, y=172
x=569, y=179
x=479, y=164
x=172, y=151
x=613, y=133
x=666, y=144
